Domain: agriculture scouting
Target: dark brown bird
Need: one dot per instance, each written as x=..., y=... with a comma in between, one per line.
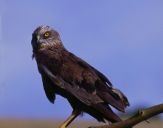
x=65, y=74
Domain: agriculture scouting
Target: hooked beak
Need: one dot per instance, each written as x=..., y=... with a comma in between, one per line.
x=39, y=41
x=38, y=38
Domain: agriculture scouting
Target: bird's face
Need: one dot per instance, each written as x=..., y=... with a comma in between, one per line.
x=45, y=36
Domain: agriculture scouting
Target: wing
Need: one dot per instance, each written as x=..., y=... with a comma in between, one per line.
x=79, y=93
x=103, y=87
x=84, y=82
x=48, y=86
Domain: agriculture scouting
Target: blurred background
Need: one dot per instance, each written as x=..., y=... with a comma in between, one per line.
x=122, y=39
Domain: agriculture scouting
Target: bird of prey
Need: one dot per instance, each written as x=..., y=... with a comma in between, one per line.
x=86, y=89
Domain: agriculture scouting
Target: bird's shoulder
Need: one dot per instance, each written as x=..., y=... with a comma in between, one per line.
x=83, y=74
x=78, y=66
x=88, y=71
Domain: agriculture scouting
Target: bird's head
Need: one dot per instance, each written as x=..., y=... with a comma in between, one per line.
x=45, y=36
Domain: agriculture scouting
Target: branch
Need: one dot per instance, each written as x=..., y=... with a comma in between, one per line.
x=137, y=118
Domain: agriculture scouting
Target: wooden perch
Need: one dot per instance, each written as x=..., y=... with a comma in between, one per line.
x=137, y=118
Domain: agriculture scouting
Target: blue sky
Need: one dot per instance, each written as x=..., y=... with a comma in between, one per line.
x=122, y=39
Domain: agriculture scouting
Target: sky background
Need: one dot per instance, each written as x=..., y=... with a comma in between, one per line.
x=122, y=39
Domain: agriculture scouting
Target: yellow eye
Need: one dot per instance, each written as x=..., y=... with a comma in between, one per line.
x=46, y=34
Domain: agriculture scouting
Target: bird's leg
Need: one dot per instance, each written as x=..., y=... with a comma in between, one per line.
x=74, y=114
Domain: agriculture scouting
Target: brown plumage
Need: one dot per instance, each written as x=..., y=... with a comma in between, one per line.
x=63, y=73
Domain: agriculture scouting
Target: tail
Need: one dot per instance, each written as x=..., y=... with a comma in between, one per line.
x=106, y=112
